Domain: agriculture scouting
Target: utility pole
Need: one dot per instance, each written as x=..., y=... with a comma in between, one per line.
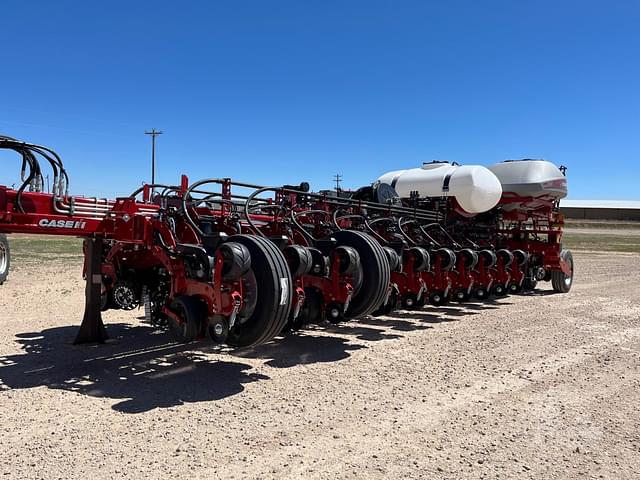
x=154, y=133
x=338, y=178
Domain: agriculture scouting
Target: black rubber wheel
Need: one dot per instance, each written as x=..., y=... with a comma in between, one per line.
x=470, y=257
x=192, y=313
x=515, y=288
x=311, y=311
x=390, y=306
x=529, y=284
x=448, y=258
x=375, y=272
x=421, y=259
x=218, y=329
x=5, y=258
x=349, y=259
x=125, y=295
x=562, y=283
x=490, y=257
x=299, y=260
x=499, y=290
x=333, y=312
x=506, y=256
x=481, y=293
x=236, y=260
x=461, y=296
x=410, y=302
x=393, y=257
x=521, y=257
x=272, y=289
x=437, y=298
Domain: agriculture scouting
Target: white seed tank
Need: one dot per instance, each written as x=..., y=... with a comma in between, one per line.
x=538, y=181
x=475, y=188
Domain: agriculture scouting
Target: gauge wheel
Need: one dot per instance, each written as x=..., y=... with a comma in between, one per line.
x=376, y=273
x=267, y=291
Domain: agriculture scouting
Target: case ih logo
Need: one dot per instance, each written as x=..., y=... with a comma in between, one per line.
x=45, y=222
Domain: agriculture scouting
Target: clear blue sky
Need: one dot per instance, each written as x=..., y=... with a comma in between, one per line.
x=282, y=91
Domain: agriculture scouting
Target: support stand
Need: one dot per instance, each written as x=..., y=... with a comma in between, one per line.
x=92, y=329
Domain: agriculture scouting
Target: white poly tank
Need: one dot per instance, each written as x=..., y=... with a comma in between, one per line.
x=531, y=178
x=475, y=188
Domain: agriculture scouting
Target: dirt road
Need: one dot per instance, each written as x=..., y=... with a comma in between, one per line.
x=542, y=386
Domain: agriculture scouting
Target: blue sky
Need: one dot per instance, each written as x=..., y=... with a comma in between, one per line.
x=281, y=91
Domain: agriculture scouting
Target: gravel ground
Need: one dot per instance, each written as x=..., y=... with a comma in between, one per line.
x=540, y=386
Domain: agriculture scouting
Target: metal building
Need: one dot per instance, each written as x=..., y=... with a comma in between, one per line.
x=601, y=209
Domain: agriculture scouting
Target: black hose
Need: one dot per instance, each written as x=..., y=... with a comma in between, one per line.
x=28, y=158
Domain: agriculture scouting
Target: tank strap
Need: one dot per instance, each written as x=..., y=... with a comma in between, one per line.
x=395, y=180
x=445, y=183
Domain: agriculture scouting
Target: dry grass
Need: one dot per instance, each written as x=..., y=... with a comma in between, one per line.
x=44, y=248
x=599, y=242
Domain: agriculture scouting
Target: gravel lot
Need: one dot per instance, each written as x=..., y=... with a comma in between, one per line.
x=540, y=386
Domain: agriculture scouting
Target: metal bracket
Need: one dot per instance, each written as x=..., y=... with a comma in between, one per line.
x=347, y=301
x=300, y=301
x=234, y=313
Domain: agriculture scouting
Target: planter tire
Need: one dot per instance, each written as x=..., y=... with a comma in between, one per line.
x=376, y=273
x=270, y=278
